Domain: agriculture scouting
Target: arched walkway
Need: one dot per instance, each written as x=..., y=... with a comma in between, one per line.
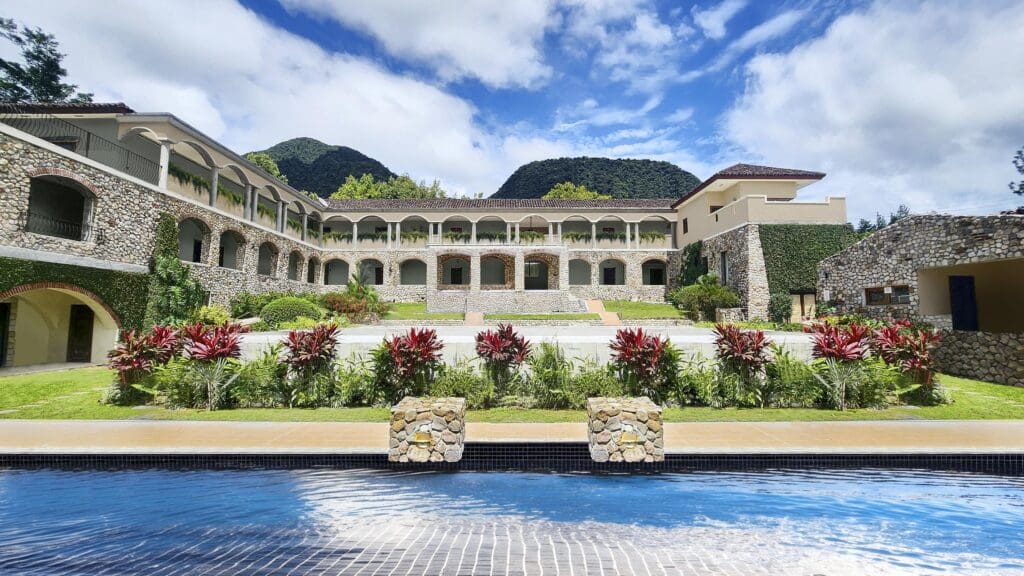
x=413, y=272
x=453, y=270
x=336, y=272
x=313, y=271
x=540, y=272
x=231, y=254
x=654, y=272
x=267, y=263
x=295, y=260
x=611, y=272
x=193, y=240
x=497, y=271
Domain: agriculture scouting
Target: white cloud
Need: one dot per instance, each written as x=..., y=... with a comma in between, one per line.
x=919, y=104
x=713, y=20
x=591, y=113
x=767, y=30
x=680, y=116
x=497, y=42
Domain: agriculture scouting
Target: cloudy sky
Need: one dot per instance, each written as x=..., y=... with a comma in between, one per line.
x=898, y=101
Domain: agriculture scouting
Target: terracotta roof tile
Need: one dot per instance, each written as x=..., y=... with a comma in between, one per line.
x=753, y=172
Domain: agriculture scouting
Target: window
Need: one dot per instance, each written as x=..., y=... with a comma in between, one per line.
x=887, y=296
x=608, y=230
x=686, y=226
x=531, y=269
x=715, y=209
x=58, y=207
x=723, y=267
x=456, y=229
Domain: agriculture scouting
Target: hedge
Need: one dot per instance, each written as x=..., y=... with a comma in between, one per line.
x=694, y=264
x=792, y=253
x=123, y=292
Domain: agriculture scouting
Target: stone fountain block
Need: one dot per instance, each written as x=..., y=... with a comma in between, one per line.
x=427, y=430
x=625, y=430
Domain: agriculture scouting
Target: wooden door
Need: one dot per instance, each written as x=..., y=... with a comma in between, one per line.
x=962, y=303
x=5, y=328
x=80, y=334
x=609, y=275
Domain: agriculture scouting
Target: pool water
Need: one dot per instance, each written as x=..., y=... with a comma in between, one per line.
x=324, y=521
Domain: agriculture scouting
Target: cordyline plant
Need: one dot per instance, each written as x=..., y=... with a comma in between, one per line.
x=137, y=354
x=908, y=349
x=644, y=363
x=405, y=363
x=309, y=356
x=745, y=354
x=840, y=348
x=503, y=351
x=211, y=349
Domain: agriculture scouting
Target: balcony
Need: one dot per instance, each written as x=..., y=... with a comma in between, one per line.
x=760, y=210
x=39, y=223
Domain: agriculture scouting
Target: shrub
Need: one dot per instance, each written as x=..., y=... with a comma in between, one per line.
x=701, y=382
x=462, y=379
x=550, y=376
x=646, y=364
x=173, y=293
x=841, y=381
x=405, y=364
x=790, y=382
x=287, y=309
x=745, y=354
x=309, y=356
x=700, y=300
x=210, y=350
x=248, y=304
x=300, y=323
x=591, y=380
x=780, y=308
x=259, y=381
x=214, y=315
x=137, y=354
x=503, y=351
x=176, y=382
x=354, y=384
x=359, y=303
x=840, y=343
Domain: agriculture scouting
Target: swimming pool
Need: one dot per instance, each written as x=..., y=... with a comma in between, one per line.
x=325, y=521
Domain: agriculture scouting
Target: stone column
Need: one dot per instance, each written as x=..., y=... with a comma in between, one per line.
x=432, y=272
x=474, y=272
x=472, y=233
x=247, y=201
x=595, y=271
x=214, y=180
x=517, y=231
x=563, y=271
x=165, y=163
x=398, y=234
x=387, y=241
x=427, y=430
x=282, y=216
x=629, y=234
x=355, y=235
x=305, y=224
x=520, y=270
x=625, y=430
x=508, y=232
x=321, y=231
x=593, y=235
x=559, y=232
x=551, y=233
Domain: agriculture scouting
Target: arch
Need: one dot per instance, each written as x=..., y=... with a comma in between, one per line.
x=231, y=252
x=540, y=271
x=237, y=171
x=274, y=192
x=579, y=272
x=142, y=131
x=266, y=264
x=492, y=229
x=576, y=229
x=50, y=324
x=199, y=149
x=497, y=271
x=414, y=229
x=412, y=272
x=193, y=239
x=295, y=261
x=313, y=270
x=336, y=272
x=654, y=271
x=372, y=229
x=300, y=207
x=371, y=272
x=60, y=206
x=456, y=229
x=454, y=269
x=612, y=272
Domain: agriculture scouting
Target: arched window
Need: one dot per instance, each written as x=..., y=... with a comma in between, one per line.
x=612, y=273
x=230, y=252
x=59, y=207
x=312, y=271
x=372, y=272
x=579, y=273
x=654, y=272
x=294, y=265
x=413, y=273
x=267, y=264
x=193, y=238
x=336, y=272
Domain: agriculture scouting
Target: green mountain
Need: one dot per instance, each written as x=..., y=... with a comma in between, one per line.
x=621, y=178
x=312, y=165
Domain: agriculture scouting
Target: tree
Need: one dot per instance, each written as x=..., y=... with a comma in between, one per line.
x=267, y=164
x=401, y=187
x=865, y=227
x=1018, y=163
x=570, y=191
x=39, y=77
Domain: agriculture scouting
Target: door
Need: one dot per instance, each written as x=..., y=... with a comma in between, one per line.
x=962, y=303
x=456, y=276
x=609, y=275
x=5, y=328
x=657, y=277
x=80, y=334
x=378, y=276
x=197, y=250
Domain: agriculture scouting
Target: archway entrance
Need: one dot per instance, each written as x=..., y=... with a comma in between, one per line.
x=540, y=272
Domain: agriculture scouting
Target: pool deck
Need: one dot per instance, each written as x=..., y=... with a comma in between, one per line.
x=133, y=437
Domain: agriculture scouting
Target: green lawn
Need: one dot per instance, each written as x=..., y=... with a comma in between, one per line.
x=555, y=316
x=642, y=310
x=75, y=394
x=418, y=311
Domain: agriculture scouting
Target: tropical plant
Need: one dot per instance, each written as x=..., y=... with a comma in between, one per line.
x=700, y=300
x=841, y=343
x=456, y=236
x=259, y=381
x=652, y=236
x=780, y=308
x=462, y=379
x=492, y=236
x=288, y=308
x=355, y=383
x=644, y=363
x=550, y=376
x=840, y=379
x=359, y=303
x=573, y=236
x=213, y=315
x=405, y=364
x=503, y=351
x=790, y=382
x=745, y=354
x=620, y=236
x=310, y=356
x=210, y=350
x=531, y=236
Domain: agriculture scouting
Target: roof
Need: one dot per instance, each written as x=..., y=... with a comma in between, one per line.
x=390, y=204
x=752, y=172
x=69, y=108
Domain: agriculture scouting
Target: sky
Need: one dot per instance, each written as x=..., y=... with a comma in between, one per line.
x=900, y=102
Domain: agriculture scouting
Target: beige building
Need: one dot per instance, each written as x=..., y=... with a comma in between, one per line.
x=83, y=186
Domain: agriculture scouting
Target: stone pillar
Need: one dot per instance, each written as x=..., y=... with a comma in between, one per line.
x=520, y=270
x=387, y=241
x=398, y=234
x=551, y=232
x=517, y=231
x=595, y=271
x=474, y=272
x=432, y=272
x=563, y=271
x=282, y=216
x=593, y=235
x=427, y=430
x=247, y=202
x=355, y=235
x=320, y=225
x=559, y=232
x=508, y=232
x=165, y=163
x=625, y=430
x=214, y=181
x=629, y=234
x=472, y=233
x=305, y=224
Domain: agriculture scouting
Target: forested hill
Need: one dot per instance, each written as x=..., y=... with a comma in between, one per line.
x=620, y=178
x=312, y=165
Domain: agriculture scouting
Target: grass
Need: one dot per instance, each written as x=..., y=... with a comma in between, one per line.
x=755, y=325
x=75, y=395
x=642, y=310
x=418, y=311
x=555, y=316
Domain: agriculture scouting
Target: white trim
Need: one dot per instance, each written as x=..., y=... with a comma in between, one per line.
x=69, y=259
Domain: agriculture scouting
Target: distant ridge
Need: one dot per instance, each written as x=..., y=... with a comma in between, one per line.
x=321, y=168
x=620, y=178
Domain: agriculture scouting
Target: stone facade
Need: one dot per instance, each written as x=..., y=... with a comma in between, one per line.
x=746, y=271
x=427, y=430
x=625, y=430
x=982, y=356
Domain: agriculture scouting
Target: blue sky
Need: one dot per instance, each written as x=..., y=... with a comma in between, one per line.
x=898, y=101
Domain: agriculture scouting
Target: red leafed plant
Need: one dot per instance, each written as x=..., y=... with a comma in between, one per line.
x=918, y=359
x=503, y=352
x=840, y=343
x=210, y=349
x=644, y=362
x=405, y=363
x=744, y=351
x=311, y=351
x=138, y=353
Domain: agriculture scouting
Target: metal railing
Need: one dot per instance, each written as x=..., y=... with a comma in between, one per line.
x=38, y=223
x=80, y=141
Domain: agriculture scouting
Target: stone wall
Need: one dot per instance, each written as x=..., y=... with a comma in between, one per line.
x=982, y=356
x=625, y=430
x=427, y=430
x=745, y=265
x=894, y=255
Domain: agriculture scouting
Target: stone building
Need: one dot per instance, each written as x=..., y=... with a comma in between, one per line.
x=962, y=274
x=81, y=188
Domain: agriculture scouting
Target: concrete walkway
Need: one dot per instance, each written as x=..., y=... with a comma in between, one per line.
x=110, y=437
x=35, y=368
x=607, y=318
